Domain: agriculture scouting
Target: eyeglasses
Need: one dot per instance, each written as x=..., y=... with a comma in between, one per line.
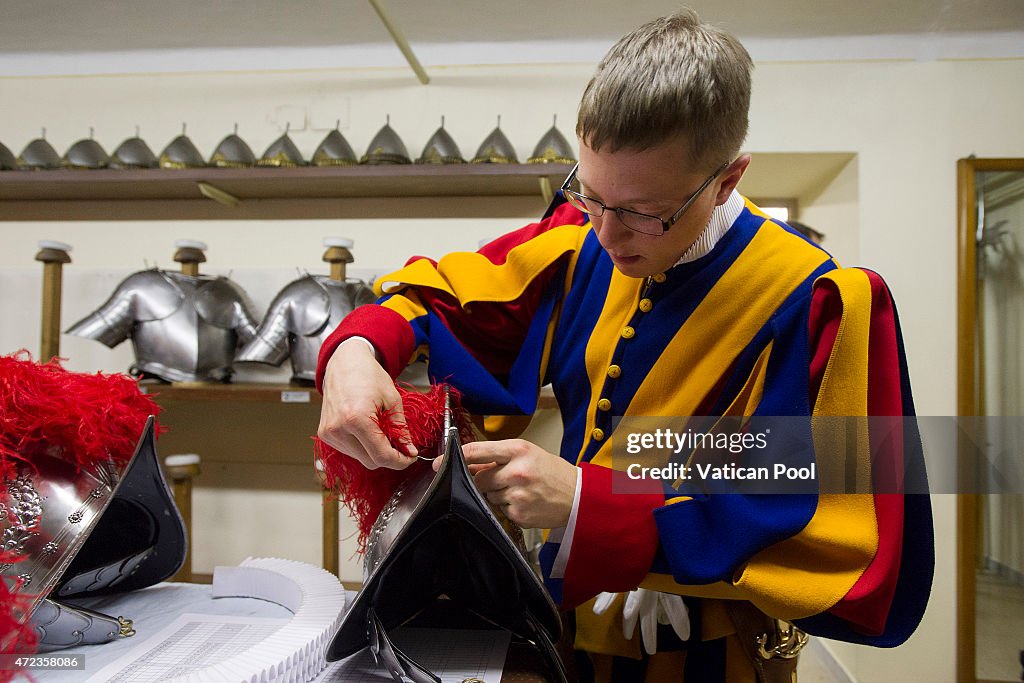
x=634, y=220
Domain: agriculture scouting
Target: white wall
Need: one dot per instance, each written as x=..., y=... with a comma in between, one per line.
x=907, y=121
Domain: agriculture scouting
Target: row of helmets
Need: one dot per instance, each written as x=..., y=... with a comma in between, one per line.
x=233, y=152
x=188, y=327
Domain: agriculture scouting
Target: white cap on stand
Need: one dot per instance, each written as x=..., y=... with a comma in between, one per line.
x=343, y=242
x=190, y=244
x=54, y=244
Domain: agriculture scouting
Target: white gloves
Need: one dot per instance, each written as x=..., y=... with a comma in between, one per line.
x=650, y=608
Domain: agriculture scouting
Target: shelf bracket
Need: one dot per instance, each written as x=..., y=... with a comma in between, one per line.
x=545, y=189
x=218, y=195
x=400, y=41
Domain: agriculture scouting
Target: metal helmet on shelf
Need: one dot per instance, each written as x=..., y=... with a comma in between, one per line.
x=386, y=148
x=233, y=152
x=282, y=152
x=496, y=149
x=134, y=153
x=86, y=154
x=441, y=149
x=334, y=150
x=552, y=148
x=39, y=155
x=7, y=160
x=181, y=153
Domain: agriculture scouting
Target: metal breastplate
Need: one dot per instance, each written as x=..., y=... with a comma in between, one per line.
x=183, y=328
x=300, y=318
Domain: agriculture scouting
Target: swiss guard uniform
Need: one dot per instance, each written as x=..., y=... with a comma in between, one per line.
x=753, y=321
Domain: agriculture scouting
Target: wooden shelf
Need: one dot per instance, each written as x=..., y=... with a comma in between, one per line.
x=302, y=192
x=264, y=393
x=243, y=392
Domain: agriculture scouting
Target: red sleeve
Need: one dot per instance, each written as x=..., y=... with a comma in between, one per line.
x=615, y=538
x=867, y=603
x=388, y=331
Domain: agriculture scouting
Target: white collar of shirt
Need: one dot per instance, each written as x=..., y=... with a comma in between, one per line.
x=721, y=220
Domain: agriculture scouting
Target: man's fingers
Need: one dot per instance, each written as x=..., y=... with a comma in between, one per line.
x=483, y=452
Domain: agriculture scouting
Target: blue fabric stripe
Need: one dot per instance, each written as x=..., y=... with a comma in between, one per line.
x=685, y=288
x=482, y=392
x=547, y=555
x=567, y=368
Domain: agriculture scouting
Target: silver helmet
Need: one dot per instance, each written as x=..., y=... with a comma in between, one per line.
x=282, y=152
x=7, y=160
x=86, y=154
x=133, y=153
x=386, y=148
x=39, y=154
x=552, y=148
x=233, y=152
x=441, y=149
x=496, y=149
x=86, y=510
x=334, y=151
x=181, y=153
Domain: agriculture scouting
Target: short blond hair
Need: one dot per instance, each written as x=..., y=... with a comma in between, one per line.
x=671, y=77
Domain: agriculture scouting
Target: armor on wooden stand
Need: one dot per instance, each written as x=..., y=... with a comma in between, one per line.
x=184, y=328
x=300, y=318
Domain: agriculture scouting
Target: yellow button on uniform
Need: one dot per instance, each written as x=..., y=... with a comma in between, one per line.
x=659, y=277
x=628, y=332
x=604, y=405
x=614, y=371
x=597, y=434
x=646, y=305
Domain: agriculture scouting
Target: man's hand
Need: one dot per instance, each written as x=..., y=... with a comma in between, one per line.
x=534, y=488
x=355, y=387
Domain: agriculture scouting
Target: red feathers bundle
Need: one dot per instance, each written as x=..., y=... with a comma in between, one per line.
x=365, y=492
x=84, y=418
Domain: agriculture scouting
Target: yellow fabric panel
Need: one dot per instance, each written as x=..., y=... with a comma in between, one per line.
x=407, y=305
x=469, y=276
x=771, y=267
x=603, y=632
x=619, y=306
x=810, y=572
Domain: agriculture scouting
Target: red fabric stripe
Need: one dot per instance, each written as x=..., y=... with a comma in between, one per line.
x=386, y=329
x=494, y=331
x=497, y=250
x=615, y=539
x=867, y=604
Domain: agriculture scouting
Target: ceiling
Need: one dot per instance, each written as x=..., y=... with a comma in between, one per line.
x=77, y=26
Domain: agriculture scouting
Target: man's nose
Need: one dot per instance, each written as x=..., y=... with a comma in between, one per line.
x=611, y=229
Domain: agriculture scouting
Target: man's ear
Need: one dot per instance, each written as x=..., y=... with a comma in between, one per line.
x=730, y=178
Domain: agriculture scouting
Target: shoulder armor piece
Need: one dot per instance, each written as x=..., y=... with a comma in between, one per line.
x=309, y=306
x=154, y=295
x=223, y=304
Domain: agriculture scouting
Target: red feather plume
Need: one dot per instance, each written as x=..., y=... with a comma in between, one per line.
x=84, y=418
x=365, y=492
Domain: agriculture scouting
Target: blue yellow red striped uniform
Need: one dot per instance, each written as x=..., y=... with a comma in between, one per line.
x=766, y=324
